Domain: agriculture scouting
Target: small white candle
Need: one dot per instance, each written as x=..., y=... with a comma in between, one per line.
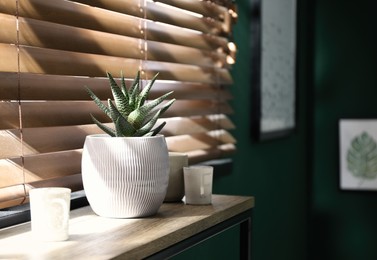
x=49, y=209
x=198, y=184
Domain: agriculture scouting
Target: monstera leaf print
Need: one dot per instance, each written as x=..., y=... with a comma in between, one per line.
x=362, y=157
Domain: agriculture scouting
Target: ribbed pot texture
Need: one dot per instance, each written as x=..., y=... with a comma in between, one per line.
x=125, y=177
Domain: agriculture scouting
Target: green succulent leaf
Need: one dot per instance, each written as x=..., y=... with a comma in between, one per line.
x=136, y=117
x=103, y=127
x=149, y=124
x=123, y=128
x=136, y=81
x=158, y=129
x=98, y=102
x=134, y=91
x=120, y=99
x=161, y=110
x=144, y=93
x=167, y=105
x=123, y=86
x=114, y=112
x=362, y=157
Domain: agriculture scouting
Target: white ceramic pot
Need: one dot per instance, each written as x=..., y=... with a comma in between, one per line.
x=125, y=177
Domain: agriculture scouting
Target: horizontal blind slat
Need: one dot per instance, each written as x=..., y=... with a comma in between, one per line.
x=221, y=151
x=9, y=86
x=48, y=61
x=8, y=32
x=168, y=33
x=53, y=139
x=193, y=125
x=132, y=7
x=60, y=87
x=52, y=165
x=11, y=172
x=18, y=194
x=206, y=8
x=12, y=195
x=163, y=13
x=10, y=144
x=49, y=113
x=53, y=36
x=186, y=143
x=72, y=181
x=33, y=168
x=8, y=58
x=9, y=115
x=49, y=139
x=223, y=12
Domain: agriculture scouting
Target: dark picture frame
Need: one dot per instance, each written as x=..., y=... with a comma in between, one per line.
x=273, y=32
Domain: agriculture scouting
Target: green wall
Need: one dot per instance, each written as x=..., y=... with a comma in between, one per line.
x=344, y=223
x=275, y=172
x=300, y=211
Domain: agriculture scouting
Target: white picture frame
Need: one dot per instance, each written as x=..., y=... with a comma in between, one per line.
x=358, y=154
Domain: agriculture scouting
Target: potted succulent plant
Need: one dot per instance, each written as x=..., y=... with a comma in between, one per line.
x=125, y=171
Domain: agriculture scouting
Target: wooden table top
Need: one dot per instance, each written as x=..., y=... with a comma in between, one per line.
x=94, y=237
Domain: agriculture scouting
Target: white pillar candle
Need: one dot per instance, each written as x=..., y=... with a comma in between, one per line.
x=176, y=190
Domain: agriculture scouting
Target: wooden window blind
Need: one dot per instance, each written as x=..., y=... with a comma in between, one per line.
x=50, y=50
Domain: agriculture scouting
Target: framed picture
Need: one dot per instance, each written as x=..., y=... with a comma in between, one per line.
x=358, y=154
x=273, y=67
